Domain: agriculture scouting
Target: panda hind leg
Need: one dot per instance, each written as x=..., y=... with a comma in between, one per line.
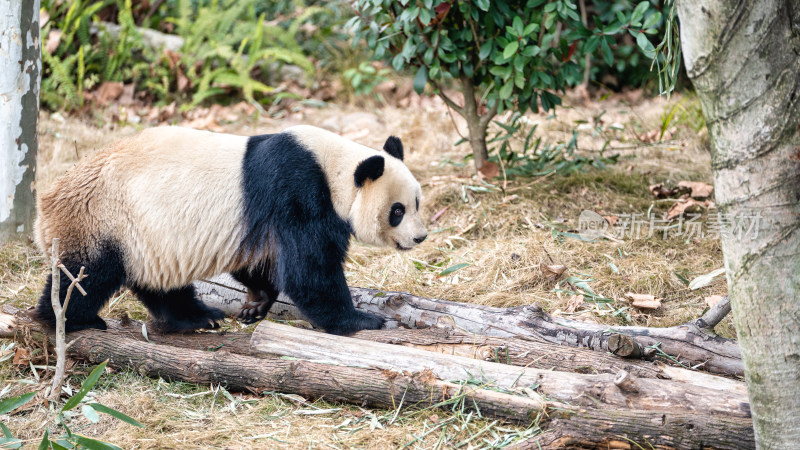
x=261, y=294
x=105, y=276
x=177, y=310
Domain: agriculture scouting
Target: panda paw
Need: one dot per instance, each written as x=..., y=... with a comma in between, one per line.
x=252, y=312
x=357, y=322
x=210, y=318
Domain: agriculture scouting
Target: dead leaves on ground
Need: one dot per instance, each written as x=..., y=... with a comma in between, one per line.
x=690, y=192
x=643, y=301
x=698, y=188
x=552, y=271
x=688, y=205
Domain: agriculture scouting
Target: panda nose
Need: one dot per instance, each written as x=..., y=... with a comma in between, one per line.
x=419, y=240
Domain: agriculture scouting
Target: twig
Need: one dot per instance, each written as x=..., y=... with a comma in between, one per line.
x=60, y=313
x=713, y=316
x=76, y=281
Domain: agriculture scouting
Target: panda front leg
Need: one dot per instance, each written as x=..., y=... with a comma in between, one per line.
x=324, y=299
x=177, y=310
x=261, y=294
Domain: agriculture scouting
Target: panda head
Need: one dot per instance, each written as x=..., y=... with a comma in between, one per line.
x=386, y=207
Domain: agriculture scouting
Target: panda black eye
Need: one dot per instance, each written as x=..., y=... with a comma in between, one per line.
x=396, y=214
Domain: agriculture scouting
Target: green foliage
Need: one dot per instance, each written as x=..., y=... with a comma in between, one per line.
x=229, y=49
x=70, y=439
x=628, y=63
x=365, y=77
x=518, y=53
x=505, y=55
x=533, y=158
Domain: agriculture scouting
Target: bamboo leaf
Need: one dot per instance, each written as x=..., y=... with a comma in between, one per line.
x=452, y=269
x=10, y=404
x=87, y=386
x=114, y=413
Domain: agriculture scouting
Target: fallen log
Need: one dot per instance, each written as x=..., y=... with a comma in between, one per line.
x=334, y=383
x=124, y=347
x=276, y=340
x=690, y=343
x=631, y=429
x=510, y=351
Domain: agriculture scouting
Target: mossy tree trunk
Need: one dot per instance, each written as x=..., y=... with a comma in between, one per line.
x=744, y=60
x=20, y=78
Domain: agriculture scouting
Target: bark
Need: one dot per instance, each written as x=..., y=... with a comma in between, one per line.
x=476, y=124
x=688, y=342
x=744, y=61
x=630, y=429
x=276, y=340
x=20, y=78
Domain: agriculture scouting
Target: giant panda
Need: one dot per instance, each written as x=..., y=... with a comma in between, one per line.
x=171, y=205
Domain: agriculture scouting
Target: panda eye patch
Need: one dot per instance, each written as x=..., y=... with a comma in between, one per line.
x=396, y=214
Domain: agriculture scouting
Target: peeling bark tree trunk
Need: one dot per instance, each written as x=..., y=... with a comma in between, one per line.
x=20, y=78
x=744, y=61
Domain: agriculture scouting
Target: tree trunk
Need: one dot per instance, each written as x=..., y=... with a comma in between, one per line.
x=476, y=124
x=690, y=343
x=744, y=61
x=20, y=78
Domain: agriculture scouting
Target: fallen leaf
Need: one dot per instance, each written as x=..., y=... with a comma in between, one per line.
x=108, y=92
x=127, y=94
x=705, y=280
x=21, y=356
x=573, y=303
x=712, y=300
x=489, y=170
x=552, y=272
x=698, y=188
x=659, y=191
x=53, y=40
x=173, y=58
x=509, y=198
x=640, y=297
x=433, y=418
x=612, y=220
x=643, y=301
x=683, y=206
x=183, y=80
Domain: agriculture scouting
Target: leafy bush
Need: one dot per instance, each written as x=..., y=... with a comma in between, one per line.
x=504, y=55
x=229, y=48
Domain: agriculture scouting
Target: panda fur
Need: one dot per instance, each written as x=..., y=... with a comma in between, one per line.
x=172, y=205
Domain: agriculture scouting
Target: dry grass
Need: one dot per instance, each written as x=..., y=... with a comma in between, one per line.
x=504, y=240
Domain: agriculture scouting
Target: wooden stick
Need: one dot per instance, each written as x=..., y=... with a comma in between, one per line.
x=60, y=313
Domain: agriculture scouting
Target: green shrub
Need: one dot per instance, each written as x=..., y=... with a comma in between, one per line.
x=229, y=48
x=504, y=54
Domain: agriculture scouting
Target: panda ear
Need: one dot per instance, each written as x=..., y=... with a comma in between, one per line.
x=370, y=168
x=394, y=147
